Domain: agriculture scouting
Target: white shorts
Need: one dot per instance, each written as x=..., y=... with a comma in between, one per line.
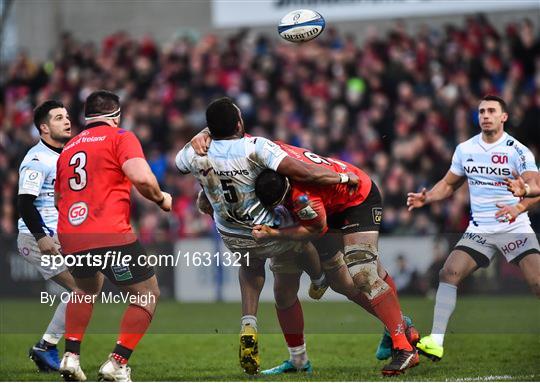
x=514, y=241
x=29, y=250
x=267, y=249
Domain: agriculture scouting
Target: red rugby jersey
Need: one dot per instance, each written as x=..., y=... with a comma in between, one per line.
x=324, y=200
x=94, y=205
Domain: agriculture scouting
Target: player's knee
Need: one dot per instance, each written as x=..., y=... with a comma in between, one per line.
x=535, y=285
x=449, y=274
x=285, y=296
x=361, y=260
x=155, y=292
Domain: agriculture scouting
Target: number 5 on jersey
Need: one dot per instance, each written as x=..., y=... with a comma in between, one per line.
x=229, y=191
x=78, y=181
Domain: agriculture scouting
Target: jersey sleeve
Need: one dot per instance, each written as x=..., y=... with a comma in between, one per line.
x=127, y=147
x=457, y=163
x=183, y=159
x=524, y=160
x=268, y=154
x=32, y=176
x=310, y=211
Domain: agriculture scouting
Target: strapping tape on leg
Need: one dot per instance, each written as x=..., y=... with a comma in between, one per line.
x=361, y=261
x=358, y=254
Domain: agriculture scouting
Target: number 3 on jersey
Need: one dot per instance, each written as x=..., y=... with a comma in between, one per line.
x=78, y=181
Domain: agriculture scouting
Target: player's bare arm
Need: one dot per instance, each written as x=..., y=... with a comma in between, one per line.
x=442, y=190
x=141, y=176
x=294, y=169
x=524, y=185
x=301, y=172
x=296, y=233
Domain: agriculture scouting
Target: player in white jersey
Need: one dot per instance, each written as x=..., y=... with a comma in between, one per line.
x=484, y=161
x=39, y=218
x=227, y=174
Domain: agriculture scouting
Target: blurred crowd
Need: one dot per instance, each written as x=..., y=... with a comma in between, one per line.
x=395, y=105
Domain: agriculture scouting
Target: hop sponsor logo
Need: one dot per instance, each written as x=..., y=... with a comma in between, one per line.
x=77, y=214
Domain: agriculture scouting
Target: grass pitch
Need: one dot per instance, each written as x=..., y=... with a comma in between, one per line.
x=489, y=339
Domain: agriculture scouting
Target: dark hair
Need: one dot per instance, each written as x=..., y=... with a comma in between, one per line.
x=222, y=117
x=491, y=97
x=101, y=102
x=270, y=187
x=41, y=113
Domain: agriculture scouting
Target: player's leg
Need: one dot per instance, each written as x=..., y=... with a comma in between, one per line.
x=459, y=264
x=289, y=312
x=78, y=313
x=134, y=324
x=361, y=258
x=521, y=248
x=251, y=277
x=56, y=328
x=530, y=266
x=139, y=281
x=45, y=353
x=360, y=224
x=311, y=264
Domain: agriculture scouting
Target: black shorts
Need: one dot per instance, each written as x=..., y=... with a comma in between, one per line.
x=356, y=219
x=119, y=273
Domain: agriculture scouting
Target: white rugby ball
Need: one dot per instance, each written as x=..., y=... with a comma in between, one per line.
x=301, y=25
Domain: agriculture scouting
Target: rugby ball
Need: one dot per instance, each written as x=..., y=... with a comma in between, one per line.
x=301, y=25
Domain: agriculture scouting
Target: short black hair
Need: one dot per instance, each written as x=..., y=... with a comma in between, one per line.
x=101, y=102
x=491, y=97
x=41, y=113
x=222, y=117
x=270, y=187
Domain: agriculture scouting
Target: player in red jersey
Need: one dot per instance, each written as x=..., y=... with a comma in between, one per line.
x=93, y=182
x=350, y=222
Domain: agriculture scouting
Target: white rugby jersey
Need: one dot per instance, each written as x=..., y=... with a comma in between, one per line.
x=37, y=175
x=227, y=175
x=485, y=166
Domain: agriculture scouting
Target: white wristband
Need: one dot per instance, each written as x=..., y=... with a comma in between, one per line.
x=527, y=190
x=343, y=178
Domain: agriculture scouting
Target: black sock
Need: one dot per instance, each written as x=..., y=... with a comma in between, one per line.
x=73, y=346
x=122, y=351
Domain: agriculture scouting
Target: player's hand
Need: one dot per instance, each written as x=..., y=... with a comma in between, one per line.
x=48, y=246
x=516, y=186
x=354, y=183
x=263, y=232
x=166, y=204
x=416, y=200
x=201, y=143
x=508, y=213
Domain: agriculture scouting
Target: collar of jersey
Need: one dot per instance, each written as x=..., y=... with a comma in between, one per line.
x=95, y=124
x=56, y=150
x=487, y=146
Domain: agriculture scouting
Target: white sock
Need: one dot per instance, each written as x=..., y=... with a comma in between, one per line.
x=298, y=356
x=445, y=303
x=319, y=281
x=249, y=320
x=57, y=326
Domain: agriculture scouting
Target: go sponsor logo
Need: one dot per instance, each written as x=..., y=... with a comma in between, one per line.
x=77, y=214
